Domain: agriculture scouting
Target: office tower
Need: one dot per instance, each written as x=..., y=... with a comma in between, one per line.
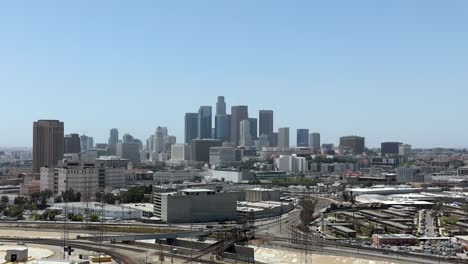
x=113, y=140
x=266, y=124
x=404, y=150
x=200, y=149
x=274, y=140
x=222, y=127
x=191, y=127
x=221, y=106
x=150, y=143
x=390, y=148
x=253, y=128
x=160, y=139
x=245, y=134
x=48, y=141
x=129, y=148
x=180, y=152
x=302, y=137
x=87, y=143
x=204, y=122
x=353, y=144
x=71, y=144
x=283, y=137
x=238, y=113
x=314, y=140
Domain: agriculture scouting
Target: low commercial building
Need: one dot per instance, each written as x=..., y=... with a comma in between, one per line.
x=259, y=210
x=222, y=155
x=228, y=175
x=195, y=206
x=291, y=163
x=125, y=212
x=343, y=230
x=15, y=255
x=260, y=194
x=394, y=239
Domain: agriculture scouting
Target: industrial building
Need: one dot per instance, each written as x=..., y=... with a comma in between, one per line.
x=394, y=239
x=125, y=212
x=259, y=195
x=195, y=206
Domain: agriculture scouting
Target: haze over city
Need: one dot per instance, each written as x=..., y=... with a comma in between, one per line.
x=388, y=71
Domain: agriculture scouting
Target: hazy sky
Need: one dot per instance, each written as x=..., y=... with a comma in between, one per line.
x=386, y=70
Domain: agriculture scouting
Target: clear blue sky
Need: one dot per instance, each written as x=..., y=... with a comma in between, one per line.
x=386, y=70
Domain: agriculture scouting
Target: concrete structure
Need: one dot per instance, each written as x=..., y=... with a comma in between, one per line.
x=353, y=144
x=462, y=171
x=226, y=175
x=409, y=174
x=71, y=144
x=245, y=139
x=200, y=149
x=259, y=210
x=204, y=122
x=283, y=137
x=191, y=127
x=390, y=148
x=238, y=113
x=195, y=206
x=112, y=162
x=394, y=239
x=180, y=152
x=222, y=155
x=85, y=178
x=291, y=164
x=314, y=140
x=48, y=141
x=173, y=176
x=260, y=195
x=266, y=124
x=302, y=137
x=14, y=255
x=129, y=149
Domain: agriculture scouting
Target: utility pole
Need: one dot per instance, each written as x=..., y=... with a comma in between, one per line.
x=65, y=224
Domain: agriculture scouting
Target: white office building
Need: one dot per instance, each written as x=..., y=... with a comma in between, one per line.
x=180, y=152
x=291, y=164
x=245, y=139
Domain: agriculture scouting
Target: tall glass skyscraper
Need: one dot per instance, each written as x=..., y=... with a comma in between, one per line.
x=266, y=125
x=191, y=127
x=303, y=137
x=204, y=122
x=238, y=114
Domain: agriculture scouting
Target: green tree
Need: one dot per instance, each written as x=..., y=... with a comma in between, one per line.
x=77, y=218
x=93, y=217
x=5, y=200
x=307, y=213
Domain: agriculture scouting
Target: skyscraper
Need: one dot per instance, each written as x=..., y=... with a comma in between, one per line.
x=390, y=148
x=238, y=113
x=283, y=137
x=222, y=127
x=221, y=106
x=191, y=127
x=314, y=140
x=87, y=143
x=266, y=124
x=253, y=128
x=245, y=133
x=204, y=122
x=353, y=144
x=48, y=141
x=113, y=140
x=303, y=137
x=72, y=144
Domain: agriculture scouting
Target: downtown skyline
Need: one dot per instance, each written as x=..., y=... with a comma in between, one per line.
x=388, y=71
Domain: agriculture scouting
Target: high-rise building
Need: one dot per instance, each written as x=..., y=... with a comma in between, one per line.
x=48, y=141
x=221, y=106
x=160, y=134
x=245, y=133
x=191, y=127
x=71, y=144
x=238, y=113
x=113, y=140
x=353, y=144
x=274, y=139
x=87, y=143
x=302, y=137
x=222, y=127
x=180, y=152
x=314, y=140
x=390, y=148
x=129, y=150
x=283, y=137
x=200, y=149
x=253, y=128
x=266, y=124
x=405, y=151
x=204, y=122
